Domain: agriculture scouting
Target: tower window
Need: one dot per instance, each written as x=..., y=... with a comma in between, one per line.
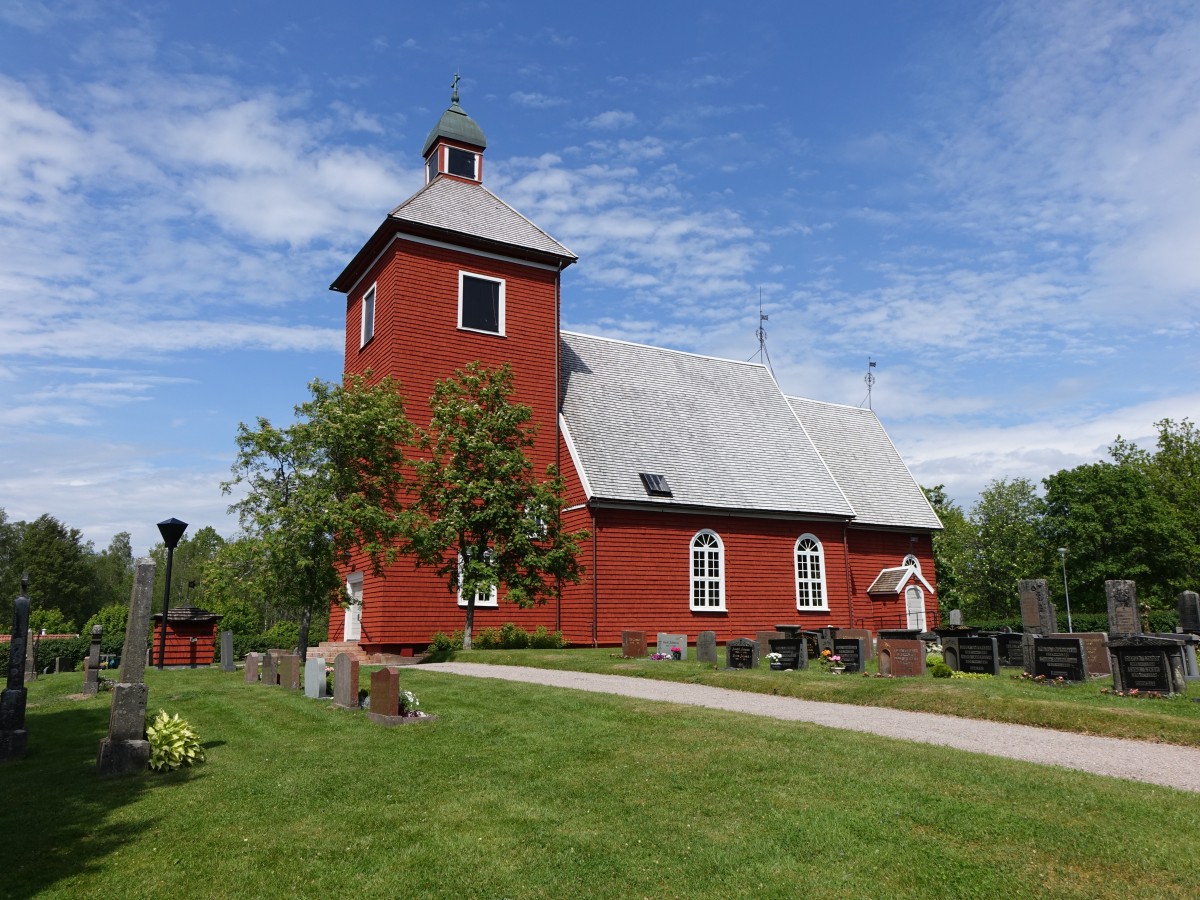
x=368, y=317
x=480, y=303
x=460, y=162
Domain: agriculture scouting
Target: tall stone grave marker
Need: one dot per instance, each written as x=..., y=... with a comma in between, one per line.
x=1037, y=615
x=1122, y=607
x=13, y=735
x=30, y=656
x=345, y=681
x=91, y=673
x=633, y=644
x=706, y=647
x=287, y=671
x=126, y=751
x=251, y=668
x=269, y=663
x=385, y=697
x=227, y=663
x=1189, y=612
x=314, y=678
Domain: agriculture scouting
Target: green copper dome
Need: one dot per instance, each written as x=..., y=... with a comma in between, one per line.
x=455, y=125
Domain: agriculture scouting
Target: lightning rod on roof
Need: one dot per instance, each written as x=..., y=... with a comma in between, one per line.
x=869, y=380
x=761, y=333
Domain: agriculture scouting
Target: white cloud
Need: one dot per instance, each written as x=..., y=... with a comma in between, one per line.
x=535, y=100
x=612, y=120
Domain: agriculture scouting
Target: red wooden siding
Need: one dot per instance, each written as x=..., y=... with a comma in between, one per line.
x=188, y=643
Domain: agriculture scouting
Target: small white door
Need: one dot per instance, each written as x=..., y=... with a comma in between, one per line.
x=914, y=602
x=353, y=626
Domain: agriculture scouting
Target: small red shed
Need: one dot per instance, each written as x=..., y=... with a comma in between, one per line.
x=191, y=637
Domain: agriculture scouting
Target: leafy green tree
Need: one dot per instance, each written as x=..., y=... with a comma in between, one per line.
x=327, y=484
x=949, y=548
x=113, y=571
x=1116, y=525
x=479, y=515
x=192, y=555
x=61, y=576
x=1003, y=545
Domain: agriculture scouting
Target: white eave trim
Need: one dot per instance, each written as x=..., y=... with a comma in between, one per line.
x=565, y=431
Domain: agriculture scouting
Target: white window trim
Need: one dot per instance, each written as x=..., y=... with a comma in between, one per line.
x=820, y=554
x=706, y=580
x=353, y=580
x=912, y=562
x=363, y=336
x=500, y=320
x=492, y=601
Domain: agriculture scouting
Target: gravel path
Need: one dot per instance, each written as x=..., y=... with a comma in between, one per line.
x=1165, y=764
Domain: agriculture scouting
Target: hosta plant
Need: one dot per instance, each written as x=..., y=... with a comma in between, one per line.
x=173, y=743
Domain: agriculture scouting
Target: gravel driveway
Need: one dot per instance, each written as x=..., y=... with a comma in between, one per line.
x=1165, y=764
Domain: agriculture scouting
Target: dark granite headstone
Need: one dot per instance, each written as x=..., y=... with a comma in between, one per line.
x=851, y=651
x=1189, y=612
x=633, y=644
x=706, y=647
x=91, y=673
x=252, y=668
x=901, y=658
x=899, y=634
x=978, y=655
x=867, y=638
x=812, y=644
x=1059, y=658
x=1012, y=654
x=14, y=737
x=227, y=662
x=741, y=653
x=764, y=638
x=792, y=652
x=125, y=751
x=1146, y=663
x=1122, y=607
x=345, y=681
x=1095, y=650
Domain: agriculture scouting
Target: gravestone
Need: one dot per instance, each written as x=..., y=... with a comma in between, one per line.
x=1012, y=652
x=978, y=655
x=91, y=672
x=385, y=697
x=852, y=651
x=812, y=644
x=345, y=681
x=867, y=638
x=30, y=656
x=955, y=618
x=1146, y=663
x=1095, y=649
x=667, y=642
x=125, y=751
x=1189, y=612
x=633, y=644
x=1122, y=607
x=251, y=668
x=741, y=653
x=315, y=684
x=227, y=662
x=14, y=737
x=763, y=639
x=287, y=671
x=901, y=658
x=793, y=653
x=270, y=661
x=706, y=647
x=1037, y=615
x=1059, y=658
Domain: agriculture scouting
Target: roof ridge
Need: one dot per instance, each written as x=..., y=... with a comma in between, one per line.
x=612, y=340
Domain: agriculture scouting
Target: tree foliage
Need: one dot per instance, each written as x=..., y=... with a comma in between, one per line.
x=949, y=548
x=317, y=489
x=479, y=515
x=1002, y=546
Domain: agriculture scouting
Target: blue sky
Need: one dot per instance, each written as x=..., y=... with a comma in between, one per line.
x=999, y=203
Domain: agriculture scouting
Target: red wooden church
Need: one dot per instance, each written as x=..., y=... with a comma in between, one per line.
x=714, y=501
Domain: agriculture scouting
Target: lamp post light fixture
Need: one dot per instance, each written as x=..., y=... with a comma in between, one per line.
x=1062, y=552
x=171, y=530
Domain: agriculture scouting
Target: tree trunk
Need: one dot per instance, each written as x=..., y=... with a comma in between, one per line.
x=305, y=619
x=470, y=621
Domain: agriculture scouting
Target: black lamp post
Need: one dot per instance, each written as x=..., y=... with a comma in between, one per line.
x=171, y=530
x=1062, y=551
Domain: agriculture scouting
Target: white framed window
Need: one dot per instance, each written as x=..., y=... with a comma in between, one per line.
x=810, y=573
x=480, y=303
x=708, y=572
x=911, y=560
x=481, y=599
x=368, y=317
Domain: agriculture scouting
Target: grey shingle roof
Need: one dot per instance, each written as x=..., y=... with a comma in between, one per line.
x=866, y=465
x=720, y=431
x=470, y=208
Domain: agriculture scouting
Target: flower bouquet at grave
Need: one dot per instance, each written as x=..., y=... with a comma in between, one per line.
x=775, y=660
x=831, y=662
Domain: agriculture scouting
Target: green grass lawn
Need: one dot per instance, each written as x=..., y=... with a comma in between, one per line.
x=524, y=791
x=1079, y=707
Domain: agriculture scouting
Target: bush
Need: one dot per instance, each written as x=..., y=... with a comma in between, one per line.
x=440, y=642
x=486, y=639
x=508, y=636
x=173, y=743
x=112, y=619
x=512, y=637
x=282, y=636
x=543, y=639
x=932, y=659
x=941, y=670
